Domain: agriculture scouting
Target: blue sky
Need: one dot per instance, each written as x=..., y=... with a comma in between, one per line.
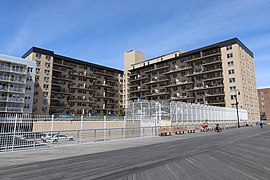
x=100, y=31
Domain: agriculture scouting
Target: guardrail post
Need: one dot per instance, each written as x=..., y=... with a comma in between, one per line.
x=34, y=140
x=52, y=122
x=58, y=138
x=143, y=132
x=14, y=131
x=95, y=135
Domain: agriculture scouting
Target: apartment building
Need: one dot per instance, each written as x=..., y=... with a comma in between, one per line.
x=70, y=86
x=264, y=103
x=215, y=75
x=16, y=84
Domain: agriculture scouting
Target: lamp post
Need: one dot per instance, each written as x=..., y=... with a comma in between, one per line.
x=238, y=122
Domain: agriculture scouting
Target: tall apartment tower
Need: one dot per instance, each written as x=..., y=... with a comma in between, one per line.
x=69, y=86
x=130, y=57
x=215, y=75
x=16, y=85
x=264, y=103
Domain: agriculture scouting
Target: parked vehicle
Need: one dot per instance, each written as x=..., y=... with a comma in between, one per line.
x=56, y=137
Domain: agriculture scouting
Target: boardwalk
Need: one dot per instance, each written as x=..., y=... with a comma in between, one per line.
x=233, y=154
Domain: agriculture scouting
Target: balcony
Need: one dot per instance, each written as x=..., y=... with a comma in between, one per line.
x=11, y=109
x=62, y=78
x=3, y=88
x=112, y=91
x=103, y=84
x=104, y=73
x=203, y=57
x=204, y=72
x=213, y=79
x=16, y=89
x=90, y=76
x=13, y=70
x=104, y=96
x=212, y=62
x=157, y=69
x=80, y=100
x=216, y=103
x=177, y=70
x=139, y=90
x=181, y=98
x=18, y=70
x=113, y=80
x=162, y=93
x=154, y=81
x=206, y=87
x=174, y=84
x=138, y=79
x=13, y=79
x=82, y=87
x=57, y=83
x=214, y=95
x=63, y=64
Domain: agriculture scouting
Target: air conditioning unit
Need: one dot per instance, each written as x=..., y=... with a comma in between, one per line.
x=177, y=95
x=156, y=91
x=176, y=67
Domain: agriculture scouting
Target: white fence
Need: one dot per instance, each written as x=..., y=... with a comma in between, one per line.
x=151, y=113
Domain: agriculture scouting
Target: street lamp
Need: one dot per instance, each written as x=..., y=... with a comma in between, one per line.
x=237, y=107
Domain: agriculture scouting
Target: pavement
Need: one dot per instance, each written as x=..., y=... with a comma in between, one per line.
x=232, y=154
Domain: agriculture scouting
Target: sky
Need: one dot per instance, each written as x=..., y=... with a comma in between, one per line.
x=100, y=31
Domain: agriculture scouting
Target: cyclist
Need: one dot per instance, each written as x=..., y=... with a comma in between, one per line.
x=205, y=125
x=261, y=123
x=218, y=129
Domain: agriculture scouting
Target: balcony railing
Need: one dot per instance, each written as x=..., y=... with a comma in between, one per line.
x=16, y=89
x=11, y=109
x=158, y=80
x=203, y=57
x=174, y=84
x=204, y=72
x=177, y=70
x=15, y=70
x=12, y=79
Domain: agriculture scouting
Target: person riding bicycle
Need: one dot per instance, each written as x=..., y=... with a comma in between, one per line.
x=217, y=128
x=205, y=125
x=261, y=123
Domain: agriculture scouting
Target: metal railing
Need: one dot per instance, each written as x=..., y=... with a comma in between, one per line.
x=31, y=140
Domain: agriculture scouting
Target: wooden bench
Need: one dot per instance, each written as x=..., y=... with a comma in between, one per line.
x=164, y=131
x=178, y=130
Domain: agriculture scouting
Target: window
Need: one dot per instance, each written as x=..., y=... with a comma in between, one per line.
x=231, y=71
x=26, y=106
x=229, y=47
x=29, y=78
x=48, y=57
x=230, y=55
x=38, y=63
x=46, y=79
x=233, y=96
x=45, y=86
x=30, y=69
x=44, y=108
x=37, y=70
x=37, y=77
x=232, y=88
x=27, y=96
x=38, y=55
x=28, y=87
x=45, y=94
x=44, y=101
x=47, y=72
x=230, y=63
x=231, y=80
x=36, y=93
x=48, y=64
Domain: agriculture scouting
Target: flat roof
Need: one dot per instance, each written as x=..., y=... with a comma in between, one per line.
x=51, y=53
x=17, y=60
x=220, y=44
